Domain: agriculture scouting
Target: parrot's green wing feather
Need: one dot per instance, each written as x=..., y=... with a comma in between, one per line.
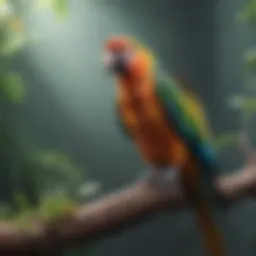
x=186, y=116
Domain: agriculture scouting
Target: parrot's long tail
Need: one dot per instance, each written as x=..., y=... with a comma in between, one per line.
x=211, y=234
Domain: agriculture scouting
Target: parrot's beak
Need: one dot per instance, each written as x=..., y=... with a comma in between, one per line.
x=115, y=63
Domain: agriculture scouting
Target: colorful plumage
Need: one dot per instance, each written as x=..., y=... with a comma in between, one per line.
x=168, y=127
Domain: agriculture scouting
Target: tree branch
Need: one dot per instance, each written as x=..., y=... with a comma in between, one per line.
x=118, y=210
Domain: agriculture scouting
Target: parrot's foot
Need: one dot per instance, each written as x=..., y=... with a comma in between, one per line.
x=164, y=177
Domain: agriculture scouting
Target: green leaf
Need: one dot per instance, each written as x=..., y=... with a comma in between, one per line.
x=5, y=10
x=248, y=14
x=44, y=3
x=250, y=59
x=58, y=161
x=226, y=140
x=21, y=201
x=2, y=3
x=61, y=8
x=25, y=213
x=12, y=87
x=56, y=169
x=52, y=158
x=54, y=206
x=250, y=105
x=24, y=219
x=241, y=102
x=236, y=101
x=12, y=44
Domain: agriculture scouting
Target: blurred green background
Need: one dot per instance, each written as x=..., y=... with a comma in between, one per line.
x=59, y=141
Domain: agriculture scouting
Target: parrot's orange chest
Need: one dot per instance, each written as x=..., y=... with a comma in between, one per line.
x=141, y=113
x=143, y=117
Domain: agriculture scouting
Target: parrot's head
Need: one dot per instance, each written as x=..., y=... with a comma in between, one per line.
x=125, y=57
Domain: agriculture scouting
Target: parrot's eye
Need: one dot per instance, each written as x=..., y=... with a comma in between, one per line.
x=117, y=60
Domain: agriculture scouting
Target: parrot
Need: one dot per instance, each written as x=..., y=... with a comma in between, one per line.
x=168, y=126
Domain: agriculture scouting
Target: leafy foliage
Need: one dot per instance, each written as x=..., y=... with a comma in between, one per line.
x=248, y=14
x=49, y=183
x=49, y=208
x=226, y=140
x=245, y=103
x=12, y=87
x=250, y=59
x=60, y=7
x=12, y=32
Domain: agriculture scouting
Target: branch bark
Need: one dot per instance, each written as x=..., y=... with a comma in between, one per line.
x=117, y=211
